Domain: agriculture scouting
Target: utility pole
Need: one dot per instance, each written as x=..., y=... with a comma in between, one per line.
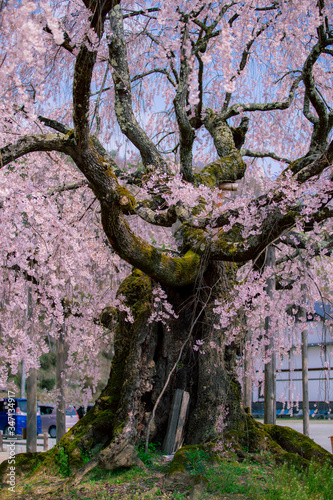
x=270, y=368
x=60, y=385
x=247, y=379
x=23, y=379
x=31, y=390
x=305, y=373
x=305, y=384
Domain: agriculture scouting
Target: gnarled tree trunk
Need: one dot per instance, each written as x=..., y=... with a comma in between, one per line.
x=146, y=353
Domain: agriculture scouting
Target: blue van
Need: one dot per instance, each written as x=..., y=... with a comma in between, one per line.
x=18, y=411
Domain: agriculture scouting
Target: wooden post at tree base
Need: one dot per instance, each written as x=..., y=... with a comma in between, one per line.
x=177, y=418
x=1, y=440
x=60, y=384
x=270, y=368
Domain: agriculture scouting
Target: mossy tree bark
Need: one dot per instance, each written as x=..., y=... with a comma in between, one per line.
x=146, y=353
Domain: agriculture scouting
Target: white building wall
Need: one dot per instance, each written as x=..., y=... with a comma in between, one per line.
x=320, y=361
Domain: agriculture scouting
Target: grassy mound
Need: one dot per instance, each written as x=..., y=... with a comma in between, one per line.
x=195, y=472
x=250, y=443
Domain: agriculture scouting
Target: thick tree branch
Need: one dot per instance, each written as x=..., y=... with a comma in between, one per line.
x=321, y=122
x=165, y=219
x=196, y=121
x=156, y=70
x=186, y=132
x=54, y=124
x=308, y=80
x=314, y=167
x=123, y=98
x=115, y=202
x=261, y=154
x=96, y=109
x=173, y=271
x=83, y=70
x=67, y=187
x=306, y=111
x=180, y=211
x=99, y=9
x=238, y=108
x=230, y=167
x=134, y=13
x=32, y=143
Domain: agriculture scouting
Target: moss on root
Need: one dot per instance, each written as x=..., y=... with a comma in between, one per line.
x=81, y=443
x=185, y=456
x=25, y=463
x=283, y=443
x=295, y=443
x=252, y=440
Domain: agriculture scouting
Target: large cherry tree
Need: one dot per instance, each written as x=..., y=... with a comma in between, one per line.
x=200, y=98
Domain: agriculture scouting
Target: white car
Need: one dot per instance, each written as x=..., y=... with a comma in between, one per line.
x=48, y=418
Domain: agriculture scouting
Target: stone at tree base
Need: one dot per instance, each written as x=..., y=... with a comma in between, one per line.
x=128, y=457
x=197, y=491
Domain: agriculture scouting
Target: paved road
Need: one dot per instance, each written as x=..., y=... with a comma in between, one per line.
x=21, y=447
x=320, y=432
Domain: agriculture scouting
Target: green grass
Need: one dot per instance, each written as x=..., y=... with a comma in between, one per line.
x=227, y=480
x=148, y=457
x=254, y=482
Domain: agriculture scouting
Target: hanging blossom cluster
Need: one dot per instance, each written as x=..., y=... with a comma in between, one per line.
x=120, y=305
x=299, y=286
x=162, y=310
x=56, y=270
x=178, y=190
x=303, y=274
